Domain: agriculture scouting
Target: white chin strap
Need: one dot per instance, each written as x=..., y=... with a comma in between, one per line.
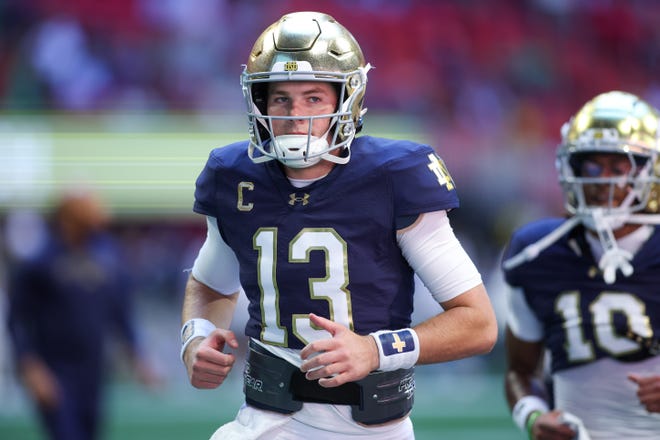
x=614, y=258
x=292, y=149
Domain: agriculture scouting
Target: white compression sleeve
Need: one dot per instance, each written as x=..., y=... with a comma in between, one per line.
x=436, y=255
x=520, y=318
x=216, y=264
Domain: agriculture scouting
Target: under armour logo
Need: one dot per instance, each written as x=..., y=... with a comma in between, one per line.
x=294, y=198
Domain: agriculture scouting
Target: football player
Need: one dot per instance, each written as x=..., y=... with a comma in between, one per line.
x=586, y=289
x=65, y=300
x=324, y=230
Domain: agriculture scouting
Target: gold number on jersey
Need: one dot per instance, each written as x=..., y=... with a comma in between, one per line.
x=331, y=288
x=602, y=311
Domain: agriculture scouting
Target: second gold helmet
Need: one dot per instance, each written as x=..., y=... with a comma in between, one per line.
x=612, y=122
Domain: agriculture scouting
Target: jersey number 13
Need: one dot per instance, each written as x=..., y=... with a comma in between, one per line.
x=332, y=288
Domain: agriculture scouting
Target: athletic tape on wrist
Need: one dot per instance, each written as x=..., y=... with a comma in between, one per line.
x=396, y=348
x=530, y=423
x=526, y=406
x=196, y=327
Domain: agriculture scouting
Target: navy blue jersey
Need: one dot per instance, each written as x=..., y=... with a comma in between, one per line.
x=584, y=318
x=329, y=248
x=64, y=302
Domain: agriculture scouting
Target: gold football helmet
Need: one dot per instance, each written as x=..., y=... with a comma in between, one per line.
x=618, y=123
x=305, y=46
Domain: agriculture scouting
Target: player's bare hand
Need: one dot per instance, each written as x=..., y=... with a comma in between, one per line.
x=345, y=357
x=548, y=426
x=205, y=361
x=41, y=383
x=648, y=391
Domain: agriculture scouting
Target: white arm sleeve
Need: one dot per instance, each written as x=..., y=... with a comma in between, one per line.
x=520, y=319
x=437, y=257
x=216, y=264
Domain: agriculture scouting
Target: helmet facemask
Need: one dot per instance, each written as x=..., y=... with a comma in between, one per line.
x=305, y=46
x=301, y=151
x=618, y=195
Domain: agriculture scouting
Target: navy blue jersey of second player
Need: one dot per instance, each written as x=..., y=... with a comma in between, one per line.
x=328, y=248
x=583, y=317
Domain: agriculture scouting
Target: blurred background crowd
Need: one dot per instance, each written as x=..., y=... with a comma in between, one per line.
x=486, y=83
x=489, y=83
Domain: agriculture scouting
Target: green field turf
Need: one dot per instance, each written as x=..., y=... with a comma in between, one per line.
x=447, y=406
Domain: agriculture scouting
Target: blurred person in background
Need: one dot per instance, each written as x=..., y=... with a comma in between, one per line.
x=586, y=289
x=324, y=232
x=65, y=298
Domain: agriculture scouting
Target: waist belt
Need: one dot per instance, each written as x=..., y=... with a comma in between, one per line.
x=274, y=384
